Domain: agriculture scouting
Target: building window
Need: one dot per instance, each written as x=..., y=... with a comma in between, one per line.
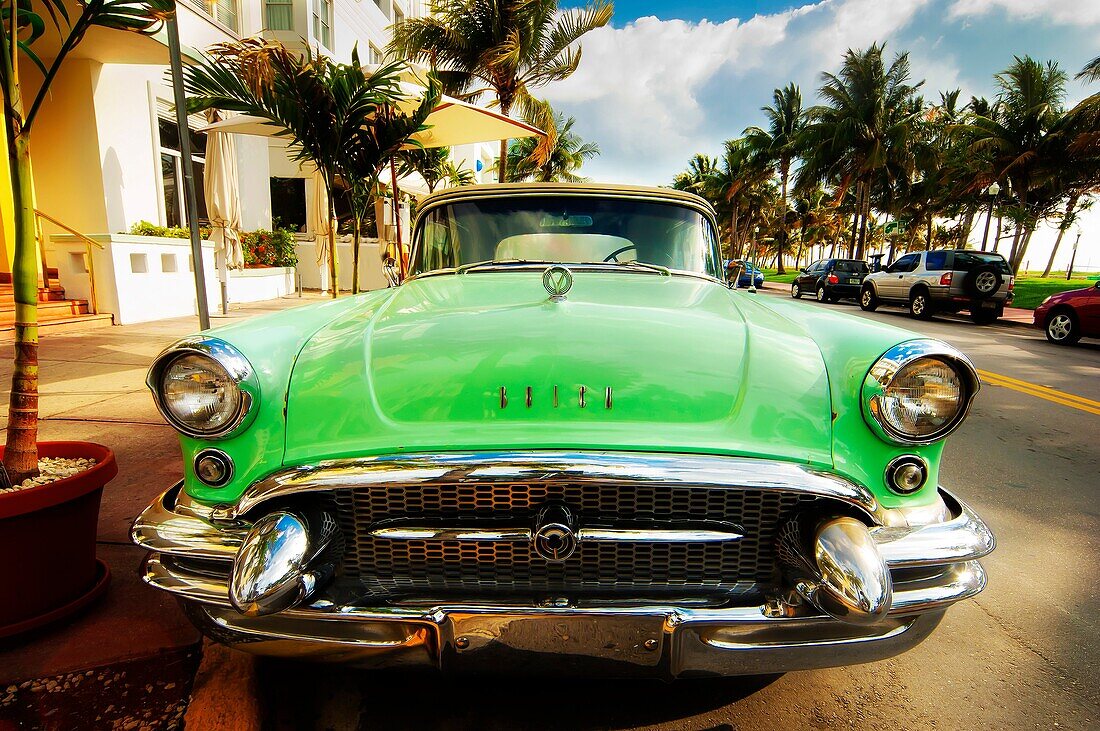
x=375, y=55
x=384, y=6
x=322, y=22
x=279, y=14
x=398, y=16
x=288, y=197
x=171, y=171
x=223, y=11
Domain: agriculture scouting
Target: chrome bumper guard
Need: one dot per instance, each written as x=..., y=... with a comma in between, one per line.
x=933, y=566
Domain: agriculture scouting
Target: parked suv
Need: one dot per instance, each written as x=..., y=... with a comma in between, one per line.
x=830, y=279
x=943, y=281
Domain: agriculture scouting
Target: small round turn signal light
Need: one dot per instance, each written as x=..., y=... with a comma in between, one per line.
x=907, y=474
x=213, y=467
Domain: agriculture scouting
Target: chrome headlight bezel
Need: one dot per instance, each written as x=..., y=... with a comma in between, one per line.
x=230, y=360
x=897, y=358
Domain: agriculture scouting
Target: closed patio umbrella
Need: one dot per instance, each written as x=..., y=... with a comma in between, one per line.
x=221, y=185
x=321, y=225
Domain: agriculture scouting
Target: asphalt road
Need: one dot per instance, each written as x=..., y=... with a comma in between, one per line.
x=1023, y=655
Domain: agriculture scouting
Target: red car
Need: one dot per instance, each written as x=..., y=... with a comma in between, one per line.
x=1067, y=316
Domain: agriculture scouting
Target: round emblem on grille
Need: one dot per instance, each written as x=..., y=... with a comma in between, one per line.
x=555, y=542
x=554, y=538
x=557, y=280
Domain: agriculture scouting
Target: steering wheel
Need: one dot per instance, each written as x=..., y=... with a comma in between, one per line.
x=615, y=254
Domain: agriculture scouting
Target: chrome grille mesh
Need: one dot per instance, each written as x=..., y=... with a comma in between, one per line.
x=386, y=567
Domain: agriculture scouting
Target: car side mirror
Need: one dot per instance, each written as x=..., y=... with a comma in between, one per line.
x=391, y=272
x=804, y=270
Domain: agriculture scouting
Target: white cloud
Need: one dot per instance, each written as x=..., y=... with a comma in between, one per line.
x=1062, y=12
x=650, y=91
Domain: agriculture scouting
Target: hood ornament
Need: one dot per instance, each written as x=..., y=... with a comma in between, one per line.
x=557, y=280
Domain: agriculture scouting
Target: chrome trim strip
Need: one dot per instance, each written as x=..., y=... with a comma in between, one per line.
x=161, y=527
x=172, y=525
x=526, y=535
x=884, y=369
x=234, y=363
x=964, y=537
x=962, y=581
x=414, y=533
x=656, y=535
x=627, y=468
x=957, y=582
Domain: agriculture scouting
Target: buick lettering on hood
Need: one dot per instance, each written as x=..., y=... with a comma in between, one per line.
x=562, y=444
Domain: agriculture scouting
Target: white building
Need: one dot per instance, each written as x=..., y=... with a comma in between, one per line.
x=106, y=144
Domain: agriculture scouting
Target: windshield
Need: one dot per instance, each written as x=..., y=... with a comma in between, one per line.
x=847, y=265
x=565, y=229
x=968, y=261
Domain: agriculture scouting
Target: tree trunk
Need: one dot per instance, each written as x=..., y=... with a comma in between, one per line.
x=1022, y=252
x=855, y=219
x=997, y=236
x=357, y=224
x=864, y=214
x=1067, y=219
x=21, y=452
x=781, y=245
x=502, y=163
x=734, y=248
x=928, y=234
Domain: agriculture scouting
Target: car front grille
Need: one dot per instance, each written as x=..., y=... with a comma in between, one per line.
x=391, y=568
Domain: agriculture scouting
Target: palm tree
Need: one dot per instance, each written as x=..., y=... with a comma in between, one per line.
x=339, y=117
x=699, y=170
x=779, y=145
x=1091, y=71
x=507, y=47
x=733, y=185
x=864, y=129
x=554, y=157
x=23, y=25
x=1021, y=141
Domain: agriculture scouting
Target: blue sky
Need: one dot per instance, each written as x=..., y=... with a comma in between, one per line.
x=668, y=79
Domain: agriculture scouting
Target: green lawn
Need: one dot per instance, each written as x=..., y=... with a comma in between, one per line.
x=771, y=276
x=1031, y=289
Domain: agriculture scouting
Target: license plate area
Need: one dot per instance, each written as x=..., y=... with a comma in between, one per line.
x=988, y=305
x=553, y=642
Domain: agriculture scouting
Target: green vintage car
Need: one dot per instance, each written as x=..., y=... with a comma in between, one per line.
x=563, y=444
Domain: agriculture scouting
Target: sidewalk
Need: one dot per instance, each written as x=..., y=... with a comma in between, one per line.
x=133, y=652
x=1013, y=316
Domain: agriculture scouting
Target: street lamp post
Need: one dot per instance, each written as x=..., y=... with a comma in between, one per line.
x=1073, y=256
x=190, y=197
x=992, y=190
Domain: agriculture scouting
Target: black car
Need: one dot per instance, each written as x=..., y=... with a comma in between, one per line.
x=831, y=279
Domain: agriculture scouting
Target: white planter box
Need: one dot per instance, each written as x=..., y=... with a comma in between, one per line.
x=370, y=265
x=257, y=285
x=144, y=278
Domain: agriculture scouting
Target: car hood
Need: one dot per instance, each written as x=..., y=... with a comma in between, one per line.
x=690, y=365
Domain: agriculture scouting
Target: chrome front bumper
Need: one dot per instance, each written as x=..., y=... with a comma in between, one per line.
x=933, y=566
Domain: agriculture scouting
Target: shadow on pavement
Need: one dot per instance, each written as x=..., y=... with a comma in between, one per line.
x=305, y=696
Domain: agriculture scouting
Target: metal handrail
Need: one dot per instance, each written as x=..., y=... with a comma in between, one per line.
x=88, y=244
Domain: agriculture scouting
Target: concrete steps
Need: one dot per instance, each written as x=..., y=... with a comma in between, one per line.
x=55, y=313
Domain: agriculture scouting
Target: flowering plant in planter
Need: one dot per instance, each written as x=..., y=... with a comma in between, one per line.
x=144, y=228
x=264, y=248
x=47, y=528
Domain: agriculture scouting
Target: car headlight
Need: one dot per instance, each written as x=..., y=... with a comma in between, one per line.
x=204, y=387
x=919, y=392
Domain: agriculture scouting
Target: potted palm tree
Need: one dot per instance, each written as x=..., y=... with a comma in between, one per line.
x=49, y=491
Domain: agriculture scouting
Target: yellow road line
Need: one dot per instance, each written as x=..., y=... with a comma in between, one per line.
x=1049, y=394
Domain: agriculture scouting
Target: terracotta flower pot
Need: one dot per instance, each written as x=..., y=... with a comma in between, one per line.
x=48, y=567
